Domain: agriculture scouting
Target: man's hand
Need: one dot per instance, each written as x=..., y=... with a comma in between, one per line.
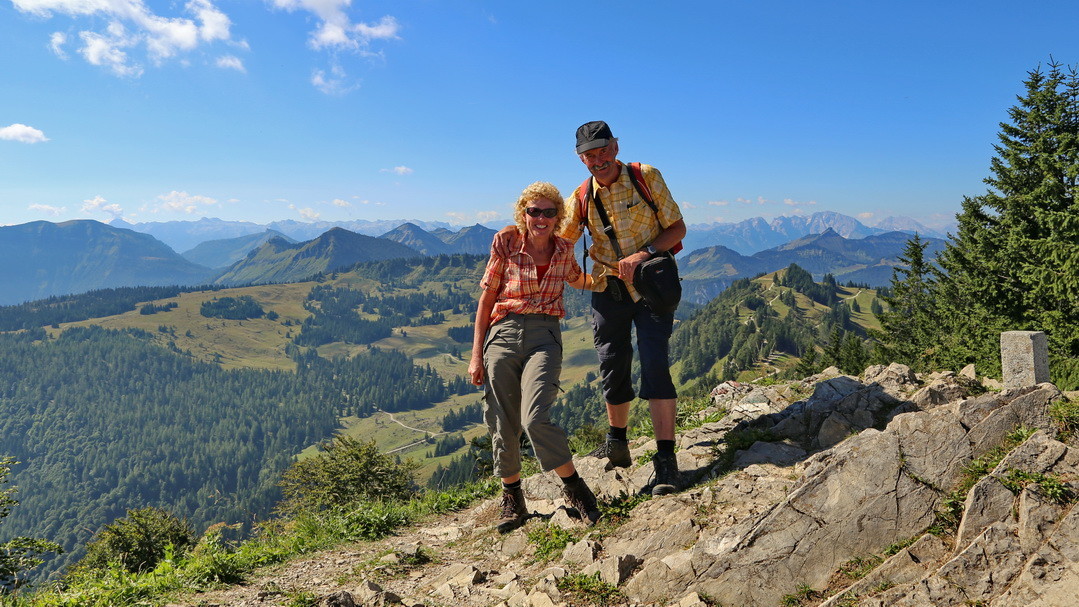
x=628, y=265
x=506, y=241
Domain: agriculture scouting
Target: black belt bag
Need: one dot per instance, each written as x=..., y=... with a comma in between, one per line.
x=656, y=279
x=658, y=283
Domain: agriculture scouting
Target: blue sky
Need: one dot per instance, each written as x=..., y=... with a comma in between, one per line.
x=264, y=110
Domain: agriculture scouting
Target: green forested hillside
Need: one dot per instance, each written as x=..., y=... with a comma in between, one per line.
x=105, y=420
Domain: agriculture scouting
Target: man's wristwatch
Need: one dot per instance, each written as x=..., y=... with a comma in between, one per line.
x=651, y=250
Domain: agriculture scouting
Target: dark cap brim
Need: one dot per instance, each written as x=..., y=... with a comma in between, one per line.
x=593, y=144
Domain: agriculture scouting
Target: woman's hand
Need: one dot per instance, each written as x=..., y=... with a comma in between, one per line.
x=475, y=370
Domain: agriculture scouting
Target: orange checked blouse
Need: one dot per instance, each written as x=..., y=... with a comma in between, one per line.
x=519, y=290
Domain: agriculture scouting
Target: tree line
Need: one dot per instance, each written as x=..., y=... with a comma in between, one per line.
x=1013, y=263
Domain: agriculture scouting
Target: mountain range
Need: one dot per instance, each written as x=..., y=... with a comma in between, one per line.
x=707, y=272
x=745, y=237
x=78, y=256
x=183, y=236
x=46, y=259
x=757, y=234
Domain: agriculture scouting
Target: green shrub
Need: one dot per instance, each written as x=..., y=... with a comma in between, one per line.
x=137, y=542
x=551, y=540
x=347, y=472
x=591, y=589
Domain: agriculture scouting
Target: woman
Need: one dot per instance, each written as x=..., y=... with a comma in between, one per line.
x=517, y=352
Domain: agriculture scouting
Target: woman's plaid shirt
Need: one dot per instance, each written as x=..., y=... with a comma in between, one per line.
x=519, y=291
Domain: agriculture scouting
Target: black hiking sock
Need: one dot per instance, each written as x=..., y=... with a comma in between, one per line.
x=514, y=485
x=665, y=446
x=569, y=479
x=617, y=433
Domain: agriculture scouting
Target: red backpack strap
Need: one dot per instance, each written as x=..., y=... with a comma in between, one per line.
x=584, y=194
x=636, y=175
x=641, y=184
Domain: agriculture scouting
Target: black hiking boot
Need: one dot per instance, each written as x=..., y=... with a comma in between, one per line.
x=580, y=498
x=514, y=510
x=667, y=477
x=616, y=451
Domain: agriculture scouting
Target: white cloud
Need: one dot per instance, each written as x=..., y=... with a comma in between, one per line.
x=865, y=216
x=182, y=201
x=718, y=203
x=215, y=24
x=336, y=83
x=105, y=51
x=306, y=212
x=22, y=133
x=337, y=202
x=336, y=30
x=796, y=203
x=56, y=42
x=97, y=203
x=231, y=62
x=47, y=209
x=131, y=24
x=400, y=170
x=458, y=218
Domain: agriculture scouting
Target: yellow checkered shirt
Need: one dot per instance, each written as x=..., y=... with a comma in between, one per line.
x=634, y=222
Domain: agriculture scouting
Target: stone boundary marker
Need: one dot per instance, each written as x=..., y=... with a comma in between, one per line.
x=1024, y=358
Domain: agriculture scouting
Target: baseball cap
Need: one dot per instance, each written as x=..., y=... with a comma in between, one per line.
x=592, y=135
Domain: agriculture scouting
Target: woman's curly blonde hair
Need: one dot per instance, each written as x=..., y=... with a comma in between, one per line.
x=539, y=189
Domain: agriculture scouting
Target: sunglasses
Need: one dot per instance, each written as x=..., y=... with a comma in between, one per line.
x=534, y=212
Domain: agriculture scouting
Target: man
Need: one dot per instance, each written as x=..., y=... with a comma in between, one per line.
x=616, y=305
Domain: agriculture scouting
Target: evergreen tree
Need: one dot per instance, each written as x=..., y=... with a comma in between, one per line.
x=20, y=554
x=907, y=325
x=1014, y=263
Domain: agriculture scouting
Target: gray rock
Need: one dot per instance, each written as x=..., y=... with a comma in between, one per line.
x=895, y=379
x=582, y=553
x=614, y=570
x=1051, y=576
x=905, y=567
x=337, y=599
x=779, y=454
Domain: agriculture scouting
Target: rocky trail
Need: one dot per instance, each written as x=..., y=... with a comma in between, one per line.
x=819, y=492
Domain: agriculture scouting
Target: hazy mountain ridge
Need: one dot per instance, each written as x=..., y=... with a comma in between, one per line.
x=278, y=260
x=81, y=255
x=185, y=235
x=758, y=234
x=746, y=237
x=225, y=252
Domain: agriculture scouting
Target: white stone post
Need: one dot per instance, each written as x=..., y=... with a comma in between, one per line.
x=1024, y=358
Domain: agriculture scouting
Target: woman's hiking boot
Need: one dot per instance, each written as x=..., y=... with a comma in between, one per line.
x=667, y=477
x=514, y=510
x=616, y=451
x=580, y=498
